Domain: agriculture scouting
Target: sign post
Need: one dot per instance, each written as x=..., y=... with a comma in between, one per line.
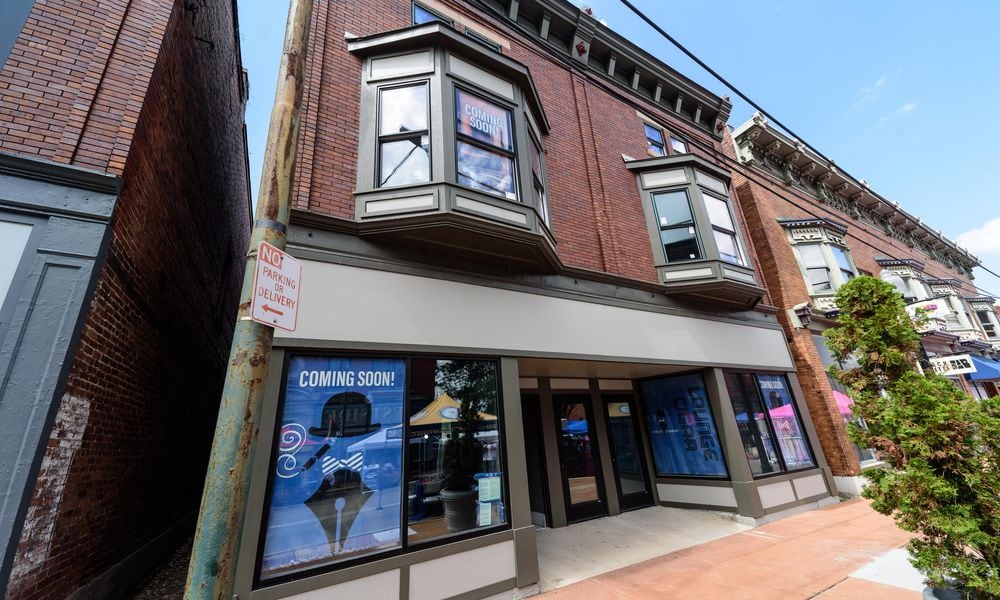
x=212, y=569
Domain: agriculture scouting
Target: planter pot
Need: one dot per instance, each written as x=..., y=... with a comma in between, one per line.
x=459, y=509
x=946, y=594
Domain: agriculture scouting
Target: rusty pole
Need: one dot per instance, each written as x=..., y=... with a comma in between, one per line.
x=220, y=522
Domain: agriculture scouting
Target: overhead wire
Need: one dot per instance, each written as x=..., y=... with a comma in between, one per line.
x=753, y=104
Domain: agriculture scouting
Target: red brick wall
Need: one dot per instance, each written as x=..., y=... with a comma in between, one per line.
x=764, y=200
x=68, y=88
x=596, y=210
x=126, y=458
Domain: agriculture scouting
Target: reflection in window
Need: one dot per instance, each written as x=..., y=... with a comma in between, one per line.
x=676, y=224
x=425, y=15
x=772, y=434
x=485, y=146
x=816, y=269
x=455, y=475
x=538, y=198
x=404, y=141
x=843, y=263
x=723, y=229
x=654, y=140
x=678, y=146
x=681, y=427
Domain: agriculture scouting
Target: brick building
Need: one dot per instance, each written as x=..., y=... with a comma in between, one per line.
x=814, y=227
x=124, y=216
x=527, y=299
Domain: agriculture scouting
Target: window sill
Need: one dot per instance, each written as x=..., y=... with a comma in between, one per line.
x=717, y=281
x=460, y=221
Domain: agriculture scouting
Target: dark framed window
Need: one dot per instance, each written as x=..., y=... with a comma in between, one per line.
x=485, y=151
x=538, y=197
x=774, y=439
x=422, y=14
x=681, y=427
x=482, y=39
x=817, y=270
x=368, y=450
x=678, y=232
x=404, y=149
x=654, y=140
x=677, y=145
x=843, y=264
x=984, y=319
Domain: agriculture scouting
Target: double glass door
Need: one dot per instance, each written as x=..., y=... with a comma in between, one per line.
x=580, y=455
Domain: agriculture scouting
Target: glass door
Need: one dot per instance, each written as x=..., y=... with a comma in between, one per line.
x=626, y=453
x=578, y=457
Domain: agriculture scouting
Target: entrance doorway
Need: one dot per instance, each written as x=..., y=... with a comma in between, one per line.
x=583, y=487
x=627, y=455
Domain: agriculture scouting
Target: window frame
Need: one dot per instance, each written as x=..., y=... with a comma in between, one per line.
x=699, y=243
x=826, y=235
x=381, y=138
x=437, y=15
x=770, y=424
x=667, y=139
x=404, y=547
x=460, y=86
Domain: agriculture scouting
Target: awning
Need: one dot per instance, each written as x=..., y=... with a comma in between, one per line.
x=985, y=369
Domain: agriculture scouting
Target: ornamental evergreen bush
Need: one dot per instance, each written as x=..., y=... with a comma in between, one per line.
x=941, y=448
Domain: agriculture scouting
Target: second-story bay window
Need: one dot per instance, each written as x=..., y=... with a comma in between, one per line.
x=697, y=248
x=403, y=140
x=451, y=147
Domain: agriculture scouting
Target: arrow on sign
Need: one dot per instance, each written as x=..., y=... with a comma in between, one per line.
x=267, y=308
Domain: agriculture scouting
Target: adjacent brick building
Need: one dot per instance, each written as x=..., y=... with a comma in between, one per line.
x=814, y=227
x=518, y=229
x=124, y=204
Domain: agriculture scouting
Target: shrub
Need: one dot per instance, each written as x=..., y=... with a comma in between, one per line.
x=941, y=448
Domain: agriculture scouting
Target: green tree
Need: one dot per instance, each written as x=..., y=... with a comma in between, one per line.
x=941, y=448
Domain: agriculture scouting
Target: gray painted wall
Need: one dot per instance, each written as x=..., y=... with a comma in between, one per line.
x=69, y=210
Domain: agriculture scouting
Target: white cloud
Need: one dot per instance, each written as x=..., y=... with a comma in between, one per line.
x=869, y=92
x=902, y=110
x=982, y=240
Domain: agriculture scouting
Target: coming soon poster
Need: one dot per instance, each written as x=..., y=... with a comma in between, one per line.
x=338, y=469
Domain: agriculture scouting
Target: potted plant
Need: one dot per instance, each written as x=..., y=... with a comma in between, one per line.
x=473, y=385
x=940, y=447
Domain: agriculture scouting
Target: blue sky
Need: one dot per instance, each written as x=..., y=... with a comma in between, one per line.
x=899, y=93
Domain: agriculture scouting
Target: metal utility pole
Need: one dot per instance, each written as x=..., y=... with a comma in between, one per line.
x=220, y=521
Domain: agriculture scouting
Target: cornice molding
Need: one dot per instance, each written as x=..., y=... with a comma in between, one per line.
x=786, y=159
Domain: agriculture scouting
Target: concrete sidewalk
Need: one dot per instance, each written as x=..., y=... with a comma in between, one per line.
x=841, y=552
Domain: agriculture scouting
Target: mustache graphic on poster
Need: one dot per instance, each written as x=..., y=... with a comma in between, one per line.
x=335, y=488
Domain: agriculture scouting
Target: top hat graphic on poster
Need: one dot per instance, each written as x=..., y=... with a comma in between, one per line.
x=336, y=481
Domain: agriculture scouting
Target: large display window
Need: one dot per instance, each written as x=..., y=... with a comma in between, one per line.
x=772, y=433
x=681, y=427
x=373, y=455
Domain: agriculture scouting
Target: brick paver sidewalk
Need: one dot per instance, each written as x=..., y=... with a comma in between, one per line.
x=810, y=555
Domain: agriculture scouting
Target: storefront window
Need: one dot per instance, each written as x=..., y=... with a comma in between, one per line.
x=772, y=433
x=681, y=427
x=456, y=475
x=485, y=146
x=340, y=463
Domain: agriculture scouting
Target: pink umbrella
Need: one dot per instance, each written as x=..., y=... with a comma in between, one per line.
x=844, y=403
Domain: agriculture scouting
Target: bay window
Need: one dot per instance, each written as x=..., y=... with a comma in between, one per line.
x=697, y=248
x=448, y=126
